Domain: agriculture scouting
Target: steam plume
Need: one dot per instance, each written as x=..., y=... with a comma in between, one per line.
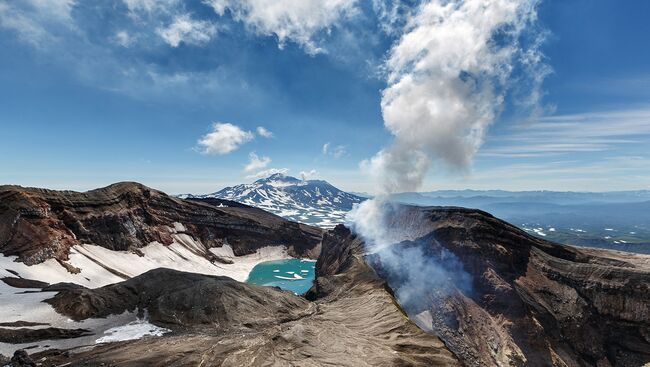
x=447, y=78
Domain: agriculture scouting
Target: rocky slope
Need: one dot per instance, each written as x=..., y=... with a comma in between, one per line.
x=313, y=202
x=529, y=302
x=38, y=224
x=350, y=319
x=483, y=292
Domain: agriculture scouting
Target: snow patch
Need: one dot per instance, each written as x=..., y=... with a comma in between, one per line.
x=133, y=330
x=179, y=227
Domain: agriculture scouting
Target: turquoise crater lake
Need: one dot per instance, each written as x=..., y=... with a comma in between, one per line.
x=295, y=275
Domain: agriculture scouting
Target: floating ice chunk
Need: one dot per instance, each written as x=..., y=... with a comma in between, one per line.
x=276, y=270
x=284, y=278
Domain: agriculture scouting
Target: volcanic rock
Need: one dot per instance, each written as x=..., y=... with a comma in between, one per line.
x=352, y=319
x=25, y=335
x=38, y=224
x=532, y=302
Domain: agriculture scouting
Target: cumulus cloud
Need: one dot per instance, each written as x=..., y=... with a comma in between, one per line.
x=264, y=132
x=268, y=172
x=447, y=78
x=224, y=138
x=187, y=30
x=256, y=163
x=336, y=152
x=289, y=20
x=306, y=175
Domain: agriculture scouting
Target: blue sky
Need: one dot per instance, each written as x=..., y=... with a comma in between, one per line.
x=94, y=92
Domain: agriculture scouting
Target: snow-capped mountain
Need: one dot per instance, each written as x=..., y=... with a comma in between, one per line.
x=314, y=202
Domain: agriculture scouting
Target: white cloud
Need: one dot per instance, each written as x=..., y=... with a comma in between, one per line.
x=149, y=6
x=268, y=172
x=187, y=30
x=256, y=163
x=613, y=173
x=224, y=138
x=59, y=9
x=34, y=20
x=447, y=78
x=390, y=14
x=295, y=20
x=334, y=151
x=306, y=175
x=326, y=148
x=264, y=132
x=582, y=132
x=123, y=38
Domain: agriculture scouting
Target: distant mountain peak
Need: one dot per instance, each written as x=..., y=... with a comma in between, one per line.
x=276, y=177
x=315, y=202
x=279, y=179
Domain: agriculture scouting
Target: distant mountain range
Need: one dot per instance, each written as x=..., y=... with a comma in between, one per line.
x=314, y=202
x=617, y=220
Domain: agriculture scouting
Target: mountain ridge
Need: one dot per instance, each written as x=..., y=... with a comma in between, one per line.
x=314, y=202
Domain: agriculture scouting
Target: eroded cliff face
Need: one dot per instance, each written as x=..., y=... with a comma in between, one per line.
x=350, y=319
x=521, y=301
x=532, y=302
x=39, y=224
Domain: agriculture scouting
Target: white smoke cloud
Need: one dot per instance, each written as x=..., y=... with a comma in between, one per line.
x=411, y=269
x=447, y=78
x=224, y=138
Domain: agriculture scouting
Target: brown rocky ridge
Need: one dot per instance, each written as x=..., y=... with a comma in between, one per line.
x=506, y=298
x=38, y=224
x=348, y=319
x=530, y=302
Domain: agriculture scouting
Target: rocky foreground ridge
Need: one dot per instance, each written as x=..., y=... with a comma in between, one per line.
x=349, y=319
x=38, y=224
x=530, y=302
x=524, y=301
